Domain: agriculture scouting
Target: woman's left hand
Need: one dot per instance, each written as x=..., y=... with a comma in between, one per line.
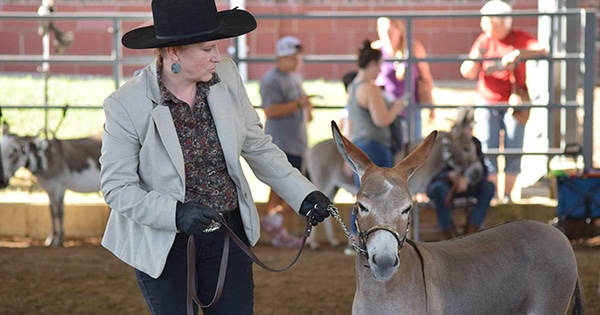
x=316, y=204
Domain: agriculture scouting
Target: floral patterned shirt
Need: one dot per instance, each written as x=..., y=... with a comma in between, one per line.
x=206, y=178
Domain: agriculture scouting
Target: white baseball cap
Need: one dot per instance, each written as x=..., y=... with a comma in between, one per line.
x=495, y=7
x=287, y=46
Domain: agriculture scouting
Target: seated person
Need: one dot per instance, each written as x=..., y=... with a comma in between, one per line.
x=454, y=182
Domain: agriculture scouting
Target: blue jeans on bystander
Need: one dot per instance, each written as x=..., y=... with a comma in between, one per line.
x=438, y=190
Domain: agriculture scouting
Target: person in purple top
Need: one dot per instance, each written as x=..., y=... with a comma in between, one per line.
x=393, y=76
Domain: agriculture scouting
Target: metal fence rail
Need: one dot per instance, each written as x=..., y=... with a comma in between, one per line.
x=583, y=57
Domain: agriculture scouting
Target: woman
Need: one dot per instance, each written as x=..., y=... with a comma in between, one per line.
x=170, y=161
x=393, y=44
x=369, y=113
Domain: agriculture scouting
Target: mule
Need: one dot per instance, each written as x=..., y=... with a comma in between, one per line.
x=521, y=267
x=325, y=165
x=455, y=147
x=58, y=165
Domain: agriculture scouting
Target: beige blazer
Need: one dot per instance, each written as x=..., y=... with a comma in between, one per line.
x=142, y=171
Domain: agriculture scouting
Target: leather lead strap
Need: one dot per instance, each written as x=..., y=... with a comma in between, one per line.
x=253, y=256
x=192, y=293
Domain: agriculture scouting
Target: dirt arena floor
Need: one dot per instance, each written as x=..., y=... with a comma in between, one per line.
x=84, y=278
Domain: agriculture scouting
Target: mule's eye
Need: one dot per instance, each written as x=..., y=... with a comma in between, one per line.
x=407, y=210
x=362, y=208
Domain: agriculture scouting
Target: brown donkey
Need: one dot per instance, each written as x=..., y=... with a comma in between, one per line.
x=521, y=267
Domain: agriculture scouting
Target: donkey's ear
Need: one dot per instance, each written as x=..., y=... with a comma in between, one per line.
x=417, y=157
x=465, y=117
x=461, y=116
x=41, y=145
x=356, y=158
x=37, y=154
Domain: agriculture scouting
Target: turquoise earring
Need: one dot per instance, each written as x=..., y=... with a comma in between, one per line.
x=176, y=68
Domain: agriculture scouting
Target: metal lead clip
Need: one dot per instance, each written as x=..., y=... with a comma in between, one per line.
x=213, y=226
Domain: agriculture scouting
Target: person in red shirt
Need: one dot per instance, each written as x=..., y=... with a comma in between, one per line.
x=504, y=49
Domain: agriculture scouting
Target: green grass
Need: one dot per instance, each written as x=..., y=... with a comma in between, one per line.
x=28, y=90
x=62, y=91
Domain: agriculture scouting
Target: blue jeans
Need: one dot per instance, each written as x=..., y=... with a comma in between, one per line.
x=487, y=129
x=166, y=295
x=380, y=155
x=438, y=190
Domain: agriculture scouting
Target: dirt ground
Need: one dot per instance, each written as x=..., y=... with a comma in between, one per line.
x=84, y=278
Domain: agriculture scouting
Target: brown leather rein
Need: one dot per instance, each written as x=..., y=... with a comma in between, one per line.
x=192, y=293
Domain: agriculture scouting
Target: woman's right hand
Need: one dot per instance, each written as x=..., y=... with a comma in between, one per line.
x=193, y=218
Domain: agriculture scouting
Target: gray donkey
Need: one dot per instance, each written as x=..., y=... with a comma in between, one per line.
x=521, y=267
x=57, y=164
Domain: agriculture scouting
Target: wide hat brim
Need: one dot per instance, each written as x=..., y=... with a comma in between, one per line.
x=232, y=23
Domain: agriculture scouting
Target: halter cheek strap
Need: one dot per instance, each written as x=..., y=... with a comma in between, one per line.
x=379, y=227
x=364, y=235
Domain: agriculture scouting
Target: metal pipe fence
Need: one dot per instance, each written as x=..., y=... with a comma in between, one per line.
x=583, y=57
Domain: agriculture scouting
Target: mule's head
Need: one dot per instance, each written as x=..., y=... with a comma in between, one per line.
x=459, y=149
x=462, y=150
x=17, y=152
x=383, y=202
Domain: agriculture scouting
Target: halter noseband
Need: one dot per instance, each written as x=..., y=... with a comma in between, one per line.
x=378, y=227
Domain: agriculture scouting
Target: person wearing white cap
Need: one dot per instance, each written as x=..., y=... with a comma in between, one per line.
x=498, y=77
x=170, y=165
x=287, y=109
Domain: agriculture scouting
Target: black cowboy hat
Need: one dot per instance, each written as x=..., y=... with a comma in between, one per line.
x=184, y=22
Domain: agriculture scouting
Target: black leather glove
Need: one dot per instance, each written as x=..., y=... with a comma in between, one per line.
x=192, y=218
x=315, y=204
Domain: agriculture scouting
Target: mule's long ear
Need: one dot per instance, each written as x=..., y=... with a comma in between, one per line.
x=417, y=157
x=357, y=159
x=470, y=119
x=465, y=118
x=461, y=116
x=41, y=147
